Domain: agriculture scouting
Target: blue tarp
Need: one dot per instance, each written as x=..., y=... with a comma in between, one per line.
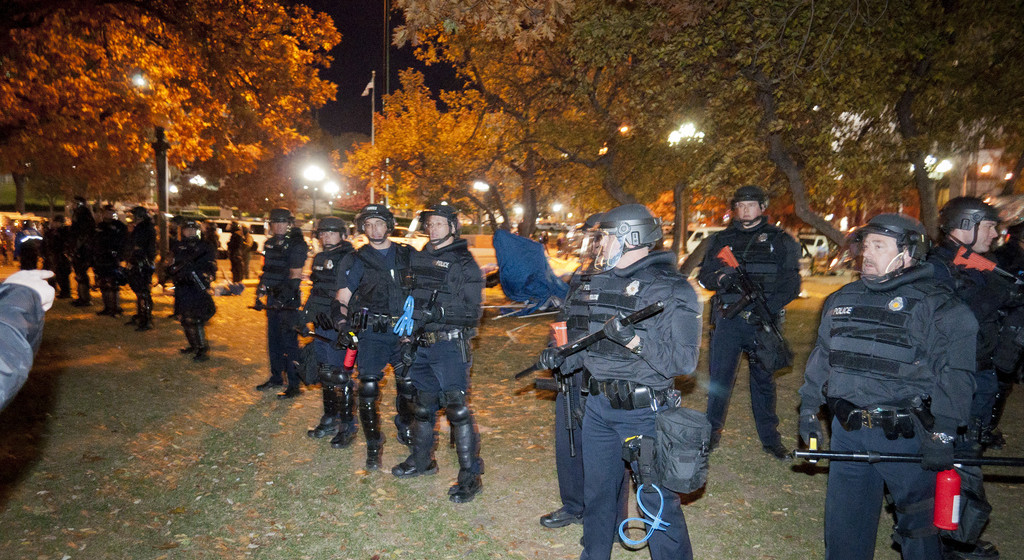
x=525, y=274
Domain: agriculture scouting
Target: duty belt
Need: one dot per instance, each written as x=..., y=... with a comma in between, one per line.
x=895, y=422
x=627, y=395
x=377, y=322
x=430, y=338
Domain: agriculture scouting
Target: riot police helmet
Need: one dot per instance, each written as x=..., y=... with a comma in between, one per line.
x=633, y=227
x=447, y=212
x=375, y=211
x=966, y=212
x=909, y=233
x=332, y=223
x=750, y=193
x=139, y=212
x=281, y=215
x=188, y=222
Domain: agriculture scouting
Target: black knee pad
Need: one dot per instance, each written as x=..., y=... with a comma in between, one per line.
x=427, y=404
x=914, y=521
x=457, y=414
x=453, y=397
x=338, y=377
x=405, y=387
x=369, y=389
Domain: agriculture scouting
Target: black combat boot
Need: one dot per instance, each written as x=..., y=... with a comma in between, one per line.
x=471, y=465
x=331, y=419
x=370, y=419
x=346, y=428
x=991, y=436
x=190, y=335
x=420, y=462
x=202, y=346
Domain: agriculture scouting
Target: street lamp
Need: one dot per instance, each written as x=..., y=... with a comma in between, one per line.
x=481, y=187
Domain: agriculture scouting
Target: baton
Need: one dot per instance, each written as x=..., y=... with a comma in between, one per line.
x=306, y=332
x=570, y=349
x=877, y=457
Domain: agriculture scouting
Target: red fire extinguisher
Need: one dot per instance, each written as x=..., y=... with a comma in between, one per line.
x=350, y=353
x=947, y=500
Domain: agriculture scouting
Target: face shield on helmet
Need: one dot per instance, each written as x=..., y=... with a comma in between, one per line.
x=909, y=236
x=624, y=229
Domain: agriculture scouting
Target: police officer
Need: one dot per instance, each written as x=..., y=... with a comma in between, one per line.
x=58, y=240
x=969, y=225
x=569, y=459
x=334, y=378
x=193, y=268
x=141, y=258
x=448, y=292
x=1010, y=257
x=631, y=372
x=369, y=305
x=236, y=252
x=893, y=362
x=83, y=228
x=27, y=246
x=771, y=259
x=111, y=234
x=284, y=255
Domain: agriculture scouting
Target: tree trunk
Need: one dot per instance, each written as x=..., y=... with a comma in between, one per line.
x=782, y=157
x=1011, y=183
x=611, y=184
x=19, y=192
x=909, y=132
x=682, y=210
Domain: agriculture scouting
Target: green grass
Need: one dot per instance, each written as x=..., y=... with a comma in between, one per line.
x=119, y=447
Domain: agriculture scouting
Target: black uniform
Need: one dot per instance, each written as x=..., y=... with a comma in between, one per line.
x=109, y=243
x=58, y=243
x=141, y=259
x=990, y=297
x=236, y=253
x=193, y=269
x=335, y=381
x=883, y=349
x=771, y=259
x=669, y=347
x=83, y=228
x=281, y=254
x=448, y=292
x=379, y=282
x=27, y=248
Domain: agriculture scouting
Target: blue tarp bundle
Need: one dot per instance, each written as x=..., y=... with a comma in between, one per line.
x=525, y=274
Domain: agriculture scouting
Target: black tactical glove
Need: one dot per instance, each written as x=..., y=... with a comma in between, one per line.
x=617, y=331
x=258, y=305
x=323, y=321
x=290, y=291
x=936, y=451
x=339, y=316
x=726, y=277
x=550, y=358
x=810, y=427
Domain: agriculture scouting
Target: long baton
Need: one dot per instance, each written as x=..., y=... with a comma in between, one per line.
x=876, y=457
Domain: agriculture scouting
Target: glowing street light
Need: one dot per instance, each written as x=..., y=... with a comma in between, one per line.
x=685, y=132
x=481, y=186
x=314, y=173
x=198, y=181
x=987, y=168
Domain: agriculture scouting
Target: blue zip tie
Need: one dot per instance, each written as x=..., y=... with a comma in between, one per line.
x=404, y=325
x=656, y=523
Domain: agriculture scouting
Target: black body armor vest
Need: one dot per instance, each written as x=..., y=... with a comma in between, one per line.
x=440, y=272
x=324, y=276
x=382, y=289
x=756, y=254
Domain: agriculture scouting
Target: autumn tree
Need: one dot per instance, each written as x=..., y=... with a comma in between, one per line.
x=232, y=82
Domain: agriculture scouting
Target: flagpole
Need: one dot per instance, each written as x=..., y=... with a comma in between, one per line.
x=373, y=109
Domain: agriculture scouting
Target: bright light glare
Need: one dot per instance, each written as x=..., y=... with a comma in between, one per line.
x=987, y=168
x=481, y=186
x=517, y=209
x=828, y=217
x=944, y=166
x=556, y=207
x=313, y=173
x=686, y=131
x=198, y=180
x=173, y=189
x=330, y=187
x=139, y=81
x=1008, y=177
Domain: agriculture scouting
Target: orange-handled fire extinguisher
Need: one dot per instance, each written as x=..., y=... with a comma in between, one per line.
x=947, y=500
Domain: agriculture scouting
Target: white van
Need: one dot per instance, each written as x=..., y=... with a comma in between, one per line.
x=257, y=228
x=700, y=234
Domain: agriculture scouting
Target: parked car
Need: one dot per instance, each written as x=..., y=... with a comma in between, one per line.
x=700, y=234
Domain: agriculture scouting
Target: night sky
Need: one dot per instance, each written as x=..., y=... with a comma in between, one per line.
x=361, y=23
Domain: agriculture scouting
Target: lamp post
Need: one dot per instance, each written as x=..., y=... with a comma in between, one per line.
x=314, y=173
x=160, y=147
x=481, y=187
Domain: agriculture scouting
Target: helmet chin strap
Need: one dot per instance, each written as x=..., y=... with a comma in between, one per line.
x=899, y=256
x=376, y=241
x=436, y=242
x=751, y=223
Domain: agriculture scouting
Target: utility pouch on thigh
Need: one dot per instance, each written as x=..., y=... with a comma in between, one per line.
x=639, y=452
x=682, y=450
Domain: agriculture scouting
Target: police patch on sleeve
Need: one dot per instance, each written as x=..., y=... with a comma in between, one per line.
x=633, y=288
x=896, y=303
